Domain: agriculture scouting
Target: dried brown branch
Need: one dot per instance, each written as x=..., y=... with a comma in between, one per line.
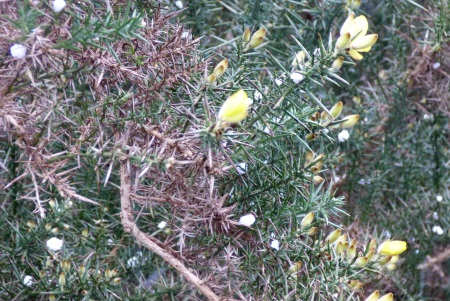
x=130, y=226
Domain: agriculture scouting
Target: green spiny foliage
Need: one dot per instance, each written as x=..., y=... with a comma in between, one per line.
x=111, y=106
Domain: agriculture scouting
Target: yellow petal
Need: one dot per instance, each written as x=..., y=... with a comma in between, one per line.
x=354, y=54
x=360, y=27
x=235, y=108
x=392, y=248
x=363, y=42
x=343, y=41
x=365, y=49
x=348, y=25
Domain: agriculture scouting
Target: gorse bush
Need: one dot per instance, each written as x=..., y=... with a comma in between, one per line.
x=140, y=162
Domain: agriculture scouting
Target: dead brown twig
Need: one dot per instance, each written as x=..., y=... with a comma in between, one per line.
x=130, y=226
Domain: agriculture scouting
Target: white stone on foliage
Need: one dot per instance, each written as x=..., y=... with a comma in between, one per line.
x=439, y=198
x=247, y=220
x=179, y=4
x=54, y=244
x=297, y=77
x=241, y=168
x=132, y=262
x=275, y=244
x=278, y=81
x=18, y=51
x=58, y=5
x=257, y=95
x=438, y=230
x=28, y=280
x=343, y=136
x=162, y=225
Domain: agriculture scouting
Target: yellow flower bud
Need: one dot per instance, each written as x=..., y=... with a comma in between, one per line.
x=295, y=267
x=235, y=108
x=31, y=224
x=246, y=35
x=351, y=253
x=82, y=270
x=361, y=262
x=299, y=58
x=312, y=231
x=343, y=41
x=65, y=265
x=317, y=167
x=48, y=227
x=373, y=243
x=257, y=38
x=385, y=260
x=309, y=157
x=356, y=286
x=117, y=280
x=337, y=64
x=211, y=79
x=62, y=279
x=353, y=243
x=394, y=259
x=318, y=179
x=333, y=236
x=337, y=109
x=51, y=298
x=311, y=137
x=307, y=220
x=350, y=121
x=108, y=274
x=220, y=68
x=85, y=233
x=387, y=297
x=373, y=297
x=49, y=262
x=342, y=238
x=341, y=247
x=392, y=248
x=370, y=254
x=324, y=116
x=52, y=203
x=391, y=266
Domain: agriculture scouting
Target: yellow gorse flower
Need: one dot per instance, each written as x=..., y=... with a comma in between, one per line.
x=392, y=248
x=359, y=40
x=235, y=108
